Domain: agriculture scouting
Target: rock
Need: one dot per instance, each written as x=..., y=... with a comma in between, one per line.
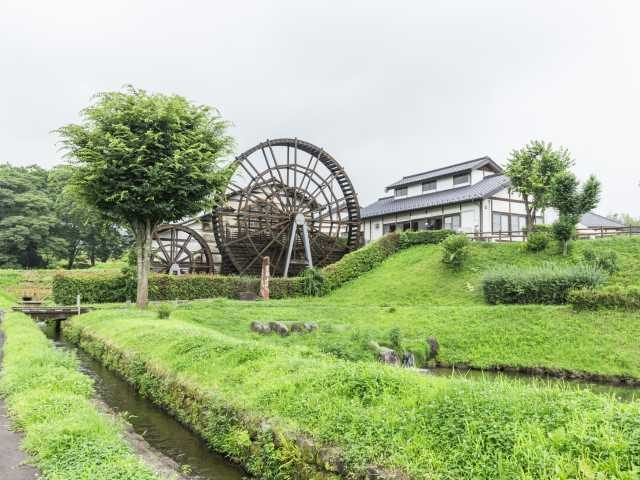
x=310, y=327
x=280, y=328
x=434, y=348
x=248, y=296
x=296, y=327
x=330, y=460
x=307, y=449
x=408, y=360
x=386, y=355
x=260, y=327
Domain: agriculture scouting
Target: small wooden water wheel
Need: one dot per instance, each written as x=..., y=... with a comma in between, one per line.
x=178, y=249
x=288, y=200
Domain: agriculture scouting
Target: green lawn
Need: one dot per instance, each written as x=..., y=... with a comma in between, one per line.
x=424, y=426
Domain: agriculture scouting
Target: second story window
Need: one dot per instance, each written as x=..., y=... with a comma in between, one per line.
x=429, y=186
x=461, y=179
x=401, y=192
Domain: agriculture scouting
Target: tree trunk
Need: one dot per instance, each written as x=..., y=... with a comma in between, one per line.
x=530, y=211
x=142, y=232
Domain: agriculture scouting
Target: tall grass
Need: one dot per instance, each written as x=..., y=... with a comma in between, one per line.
x=373, y=414
x=50, y=400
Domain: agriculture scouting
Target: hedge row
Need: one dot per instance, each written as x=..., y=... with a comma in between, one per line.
x=112, y=288
x=100, y=287
x=547, y=284
x=354, y=264
x=609, y=297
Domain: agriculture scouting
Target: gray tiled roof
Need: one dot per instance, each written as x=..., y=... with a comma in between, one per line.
x=449, y=170
x=591, y=220
x=477, y=191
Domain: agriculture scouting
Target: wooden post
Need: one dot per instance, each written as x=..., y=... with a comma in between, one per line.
x=264, y=279
x=78, y=303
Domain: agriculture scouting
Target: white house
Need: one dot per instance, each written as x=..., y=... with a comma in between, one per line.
x=471, y=197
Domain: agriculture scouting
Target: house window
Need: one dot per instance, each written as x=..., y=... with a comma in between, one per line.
x=406, y=226
x=500, y=222
x=402, y=192
x=429, y=186
x=461, y=179
x=376, y=226
x=388, y=228
x=414, y=226
x=452, y=222
x=518, y=223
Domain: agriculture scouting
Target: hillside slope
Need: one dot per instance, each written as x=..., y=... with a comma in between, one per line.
x=417, y=276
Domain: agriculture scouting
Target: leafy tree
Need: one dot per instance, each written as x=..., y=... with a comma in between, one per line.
x=144, y=159
x=26, y=218
x=531, y=171
x=572, y=201
x=84, y=228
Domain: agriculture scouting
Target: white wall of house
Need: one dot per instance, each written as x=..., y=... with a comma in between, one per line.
x=443, y=183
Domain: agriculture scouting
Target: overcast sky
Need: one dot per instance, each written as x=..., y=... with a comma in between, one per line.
x=388, y=88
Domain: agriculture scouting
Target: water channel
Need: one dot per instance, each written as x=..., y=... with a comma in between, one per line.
x=158, y=428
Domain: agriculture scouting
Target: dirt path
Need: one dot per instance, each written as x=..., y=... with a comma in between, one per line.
x=11, y=457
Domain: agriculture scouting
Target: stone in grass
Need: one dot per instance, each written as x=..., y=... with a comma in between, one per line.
x=386, y=355
x=331, y=460
x=310, y=327
x=408, y=360
x=434, y=348
x=296, y=327
x=280, y=328
x=260, y=327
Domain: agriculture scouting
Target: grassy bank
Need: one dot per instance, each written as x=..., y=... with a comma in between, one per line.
x=366, y=414
x=552, y=337
x=50, y=401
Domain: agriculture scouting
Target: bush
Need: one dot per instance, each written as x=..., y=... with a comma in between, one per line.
x=546, y=284
x=422, y=237
x=606, y=260
x=455, y=251
x=100, y=287
x=313, y=282
x=354, y=264
x=538, y=241
x=624, y=298
x=542, y=228
x=164, y=311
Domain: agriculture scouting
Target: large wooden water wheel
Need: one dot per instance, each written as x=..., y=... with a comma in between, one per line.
x=288, y=200
x=178, y=249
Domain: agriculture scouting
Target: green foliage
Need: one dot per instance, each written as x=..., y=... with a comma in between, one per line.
x=545, y=284
x=531, y=171
x=109, y=287
x=51, y=402
x=422, y=237
x=455, y=251
x=395, y=339
x=542, y=228
x=164, y=311
x=450, y=428
x=625, y=218
x=27, y=219
x=537, y=241
x=313, y=282
x=354, y=264
x=624, y=298
x=145, y=159
x=604, y=259
x=572, y=201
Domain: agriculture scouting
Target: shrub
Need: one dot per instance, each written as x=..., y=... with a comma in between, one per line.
x=606, y=260
x=313, y=282
x=354, y=264
x=422, y=237
x=164, y=311
x=455, y=251
x=546, y=284
x=624, y=298
x=100, y=287
x=542, y=228
x=538, y=241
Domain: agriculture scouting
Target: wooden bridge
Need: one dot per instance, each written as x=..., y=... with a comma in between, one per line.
x=50, y=313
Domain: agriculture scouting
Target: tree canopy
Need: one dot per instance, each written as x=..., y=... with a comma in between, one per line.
x=571, y=200
x=531, y=171
x=145, y=159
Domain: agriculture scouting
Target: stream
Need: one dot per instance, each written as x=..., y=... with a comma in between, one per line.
x=160, y=430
